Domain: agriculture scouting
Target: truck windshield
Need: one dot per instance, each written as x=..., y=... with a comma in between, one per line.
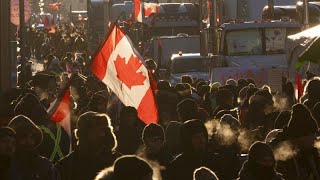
x=244, y=42
x=275, y=40
x=190, y=65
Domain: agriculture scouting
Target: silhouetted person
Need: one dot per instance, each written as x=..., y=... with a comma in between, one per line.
x=300, y=134
x=27, y=163
x=95, y=149
x=312, y=89
x=260, y=164
x=130, y=131
x=194, y=139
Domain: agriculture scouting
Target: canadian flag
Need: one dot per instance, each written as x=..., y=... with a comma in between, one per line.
x=118, y=64
x=149, y=9
x=59, y=110
x=137, y=7
x=54, y=6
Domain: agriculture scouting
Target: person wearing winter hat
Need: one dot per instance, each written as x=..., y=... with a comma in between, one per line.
x=194, y=140
x=260, y=165
x=225, y=143
x=27, y=163
x=204, y=173
x=127, y=167
x=188, y=109
x=300, y=133
x=30, y=107
x=260, y=105
x=7, y=150
x=153, y=140
x=95, y=149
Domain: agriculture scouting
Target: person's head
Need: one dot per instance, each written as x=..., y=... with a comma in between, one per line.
x=200, y=84
x=228, y=129
x=186, y=79
x=262, y=100
x=128, y=117
x=301, y=122
x=224, y=96
x=231, y=82
x=163, y=85
x=28, y=135
x=153, y=138
x=45, y=85
x=31, y=107
x=204, y=173
x=127, y=167
x=214, y=88
x=261, y=160
x=242, y=83
x=7, y=142
x=98, y=102
x=95, y=133
x=151, y=64
x=187, y=110
x=313, y=88
x=194, y=137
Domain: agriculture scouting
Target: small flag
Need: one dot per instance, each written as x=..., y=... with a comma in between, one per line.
x=150, y=9
x=118, y=64
x=137, y=10
x=54, y=6
x=59, y=110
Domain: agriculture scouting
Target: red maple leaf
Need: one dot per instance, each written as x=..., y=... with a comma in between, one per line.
x=127, y=73
x=148, y=11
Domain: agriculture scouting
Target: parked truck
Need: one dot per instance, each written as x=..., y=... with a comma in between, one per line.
x=253, y=50
x=162, y=48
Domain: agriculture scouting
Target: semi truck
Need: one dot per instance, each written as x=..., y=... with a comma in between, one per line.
x=255, y=49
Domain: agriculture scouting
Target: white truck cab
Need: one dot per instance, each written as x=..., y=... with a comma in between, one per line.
x=191, y=64
x=252, y=49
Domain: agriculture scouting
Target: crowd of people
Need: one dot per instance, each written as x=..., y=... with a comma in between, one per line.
x=206, y=130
